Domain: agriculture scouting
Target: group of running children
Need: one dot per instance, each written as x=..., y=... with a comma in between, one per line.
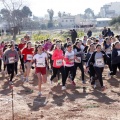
x=90, y=55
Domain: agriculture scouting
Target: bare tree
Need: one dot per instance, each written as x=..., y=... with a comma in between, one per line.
x=11, y=6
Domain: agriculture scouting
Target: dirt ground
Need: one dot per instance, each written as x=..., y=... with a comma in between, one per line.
x=76, y=103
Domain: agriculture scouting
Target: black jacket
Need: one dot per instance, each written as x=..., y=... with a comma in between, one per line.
x=115, y=57
x=92, y=58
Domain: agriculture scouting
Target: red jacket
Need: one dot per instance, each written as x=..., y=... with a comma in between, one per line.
x=28, y=54
x=57, y=57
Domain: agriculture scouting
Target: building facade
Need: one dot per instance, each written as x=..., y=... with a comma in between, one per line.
x=110, y=10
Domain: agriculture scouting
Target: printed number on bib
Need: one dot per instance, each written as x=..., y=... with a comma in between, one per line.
x=58, y=62
x=29, y=57
x=118, y=53
x=99, y=62
x=11, y=60
x=40, y=64
x=79, y=58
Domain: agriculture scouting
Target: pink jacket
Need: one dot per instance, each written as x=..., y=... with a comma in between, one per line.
x=57, y=57
x=47, y=46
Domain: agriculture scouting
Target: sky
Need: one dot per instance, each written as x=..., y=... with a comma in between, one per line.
x=39, y=7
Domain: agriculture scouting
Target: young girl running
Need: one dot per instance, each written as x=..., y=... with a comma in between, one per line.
x=78, y=61
x=9, y=59
x=98, y=60
x=40, y=60
x=91, y=70
x=57, y=58
x=69, y=63
x=27, y=52
x=115, y=58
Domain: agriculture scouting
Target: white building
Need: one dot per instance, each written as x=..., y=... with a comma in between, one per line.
x=67, y=21
x=110, y=10
x=103, y=22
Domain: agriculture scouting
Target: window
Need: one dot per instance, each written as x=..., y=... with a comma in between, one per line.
x=66, y=20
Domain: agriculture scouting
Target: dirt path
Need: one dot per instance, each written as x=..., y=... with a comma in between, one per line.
x=76, y=103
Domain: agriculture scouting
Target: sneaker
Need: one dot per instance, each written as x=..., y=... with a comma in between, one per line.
x=83, y=81
x=63, y=88
x=94, y=86
x=103, y=88
x=51, y=82
x=26, y=79
x=59, y=81
x=39, y=93
x=109, y=76
x=16, y=75
x=73, y=83
x=11, y=83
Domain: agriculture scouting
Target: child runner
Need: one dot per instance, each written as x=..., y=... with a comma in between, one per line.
x=40, y=60
x=9, y=59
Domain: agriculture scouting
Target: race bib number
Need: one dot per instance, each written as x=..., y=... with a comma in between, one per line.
x=108, y=52
x=99, y=62
x=59, y=62
x=79, y=60
x=40, y=64
x=11, y=60
x=29, y=57
x=118, y=53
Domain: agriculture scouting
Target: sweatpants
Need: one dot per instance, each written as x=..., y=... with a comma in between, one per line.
x=70, y=70
x=114, y=68
x=62, y=70
x=80, y=65
x=10, y=70
x=99, y=72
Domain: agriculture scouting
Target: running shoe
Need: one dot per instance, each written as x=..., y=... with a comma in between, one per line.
x=83, y=81
x=26, y=79
x=59, y=81
x=103, y=88
x=10, y=82
x=39, y=93
x=63, y=88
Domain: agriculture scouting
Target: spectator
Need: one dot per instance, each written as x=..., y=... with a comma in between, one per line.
x=104, y=32
x=110, y=33
x=89, y=33
x=73, y=35
x=84, y=42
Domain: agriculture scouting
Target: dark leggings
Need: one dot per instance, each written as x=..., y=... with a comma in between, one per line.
x=114, y=68
x=109, y=62
x=51, y=64
x=0, y=64
x=99, y=72
x=55, y=71
x=80, y=65
x=16, y=64
x=10, y=70
x=22, y=63
x=70, y=70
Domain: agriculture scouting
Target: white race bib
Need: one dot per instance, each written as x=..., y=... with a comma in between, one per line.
x=29, y=57
x=11, y=60
x=99, y=62
x=79, y=58
x=40, y=64
x=59, y=62
x=118, y=53
x=108, y=52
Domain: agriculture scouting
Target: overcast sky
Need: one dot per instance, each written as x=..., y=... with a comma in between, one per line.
x=39, y=7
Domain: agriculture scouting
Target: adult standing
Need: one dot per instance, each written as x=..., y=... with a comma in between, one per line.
x=73, y=35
